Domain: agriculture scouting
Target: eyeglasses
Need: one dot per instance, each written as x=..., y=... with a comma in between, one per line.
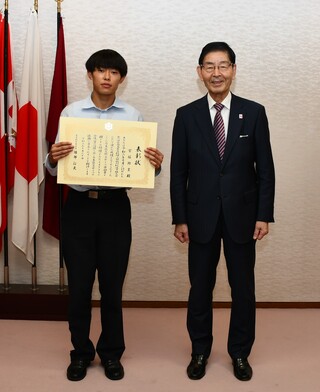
x=222, y=67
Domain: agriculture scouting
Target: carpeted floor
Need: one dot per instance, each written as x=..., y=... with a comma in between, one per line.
x=34, y=354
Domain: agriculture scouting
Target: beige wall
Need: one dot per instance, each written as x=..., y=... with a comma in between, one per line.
x=277, y=47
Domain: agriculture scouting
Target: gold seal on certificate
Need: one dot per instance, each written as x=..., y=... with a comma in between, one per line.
x=107, y=152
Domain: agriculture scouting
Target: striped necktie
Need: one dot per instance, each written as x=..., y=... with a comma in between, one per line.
x=218, y=127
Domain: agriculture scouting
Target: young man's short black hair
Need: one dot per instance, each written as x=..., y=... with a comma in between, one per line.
x=217, y=47
x=107, y=58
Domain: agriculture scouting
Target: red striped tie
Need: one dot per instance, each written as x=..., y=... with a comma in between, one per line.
x=218, y=127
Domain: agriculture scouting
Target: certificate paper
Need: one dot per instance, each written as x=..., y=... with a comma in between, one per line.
x=107, y=152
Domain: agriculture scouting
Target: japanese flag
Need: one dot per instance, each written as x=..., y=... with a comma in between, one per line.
x=30, y=144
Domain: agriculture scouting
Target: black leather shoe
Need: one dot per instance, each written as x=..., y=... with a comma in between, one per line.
x=77, y=370
x=242, y=369
x=197, y=367
x=113, y=369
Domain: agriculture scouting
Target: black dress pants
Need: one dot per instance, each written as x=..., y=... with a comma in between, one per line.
x=203, y=261
x=96, y=238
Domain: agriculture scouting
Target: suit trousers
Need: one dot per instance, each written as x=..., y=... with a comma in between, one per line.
x=96, y=238
x=203, y=261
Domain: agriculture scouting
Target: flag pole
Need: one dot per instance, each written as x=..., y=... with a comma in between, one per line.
x=34, y=286
x=34, y=266
x=6, y=284
x=62, y=286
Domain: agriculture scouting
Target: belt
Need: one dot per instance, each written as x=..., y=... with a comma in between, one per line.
x=103, y=194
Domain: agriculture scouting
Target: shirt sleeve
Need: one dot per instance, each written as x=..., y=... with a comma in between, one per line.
x=51, y=169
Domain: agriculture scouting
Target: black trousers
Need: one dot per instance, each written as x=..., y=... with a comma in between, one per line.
x=203, y=261
x=96, y=238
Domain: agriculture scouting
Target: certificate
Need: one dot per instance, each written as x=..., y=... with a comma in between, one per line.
x=107, y=152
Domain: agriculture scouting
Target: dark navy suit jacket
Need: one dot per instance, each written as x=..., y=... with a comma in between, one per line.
x=242, y=184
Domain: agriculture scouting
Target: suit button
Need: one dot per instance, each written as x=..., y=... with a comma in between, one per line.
x=221, y=174
x=218, y=198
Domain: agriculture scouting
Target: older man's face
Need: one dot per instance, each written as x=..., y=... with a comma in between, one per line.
x=217, y=73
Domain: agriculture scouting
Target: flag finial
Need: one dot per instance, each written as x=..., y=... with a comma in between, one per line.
x=58, y=5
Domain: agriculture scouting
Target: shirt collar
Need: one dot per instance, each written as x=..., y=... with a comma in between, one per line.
x=226, y=102
x=88, y=104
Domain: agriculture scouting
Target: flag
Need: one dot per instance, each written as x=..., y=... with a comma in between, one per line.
x=30, y=144
x=7, y=161
x=58, y=101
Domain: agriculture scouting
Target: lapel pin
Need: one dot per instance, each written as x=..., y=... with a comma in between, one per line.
x=241, y=116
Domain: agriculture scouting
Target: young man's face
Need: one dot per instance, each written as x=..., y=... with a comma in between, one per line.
x=217, y=74
x=105, y=81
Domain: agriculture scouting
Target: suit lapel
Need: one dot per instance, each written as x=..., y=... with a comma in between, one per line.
x=203, y=119
x=236, y=121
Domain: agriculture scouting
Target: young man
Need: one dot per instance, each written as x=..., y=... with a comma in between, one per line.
x=96, y=229
x=222, y=188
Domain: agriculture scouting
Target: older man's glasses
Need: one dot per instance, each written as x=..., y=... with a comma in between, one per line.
x=222, y=67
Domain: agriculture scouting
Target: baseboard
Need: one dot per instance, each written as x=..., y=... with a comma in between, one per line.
x=48, y=302
x=220, y=304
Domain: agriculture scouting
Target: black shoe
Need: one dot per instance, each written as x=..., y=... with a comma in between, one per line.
x=113, y=369
x=77, y=370
x=242, y=369
x=197, y=367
